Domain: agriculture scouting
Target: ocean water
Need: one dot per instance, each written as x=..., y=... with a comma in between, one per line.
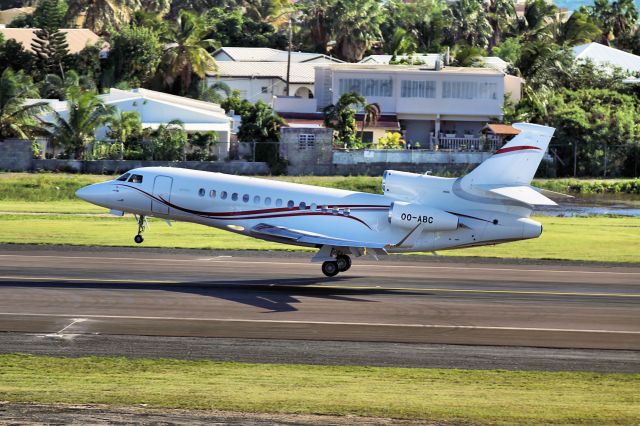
x=574, y=4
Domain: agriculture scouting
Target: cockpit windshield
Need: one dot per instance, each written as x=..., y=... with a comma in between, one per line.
x=135, y=179
x=124, y=177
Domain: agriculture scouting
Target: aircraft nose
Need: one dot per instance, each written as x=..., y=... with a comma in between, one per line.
x=92, y=193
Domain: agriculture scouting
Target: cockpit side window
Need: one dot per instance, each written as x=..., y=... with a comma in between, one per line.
x=124, y=177
x=135, y=179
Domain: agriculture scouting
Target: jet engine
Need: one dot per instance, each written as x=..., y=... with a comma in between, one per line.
x=401, y=185
x=408, y=215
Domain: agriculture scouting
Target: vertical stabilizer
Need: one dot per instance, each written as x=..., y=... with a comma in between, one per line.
x=515, y=163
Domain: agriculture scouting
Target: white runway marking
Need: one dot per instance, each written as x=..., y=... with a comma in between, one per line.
x=262, y=321
x=73, y=322
x=368, y=265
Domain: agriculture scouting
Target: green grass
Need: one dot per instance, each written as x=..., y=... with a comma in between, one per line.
x=487, y=397
x=585, y=187
x=605, y=239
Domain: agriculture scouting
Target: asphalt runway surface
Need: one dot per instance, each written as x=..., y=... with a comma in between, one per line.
x=273, y=307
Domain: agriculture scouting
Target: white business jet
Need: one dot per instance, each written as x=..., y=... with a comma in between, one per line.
x=416, y=213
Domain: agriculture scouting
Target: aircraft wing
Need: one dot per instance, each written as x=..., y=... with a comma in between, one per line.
x=524, y=194
x=294, y=236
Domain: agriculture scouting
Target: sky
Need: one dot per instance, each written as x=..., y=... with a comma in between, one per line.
x=574, y=4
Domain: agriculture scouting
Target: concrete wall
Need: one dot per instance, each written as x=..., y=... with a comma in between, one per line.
x=300, y=160
x=407, y=156
x=116, y=166
x=15, y=154
x=377, y=169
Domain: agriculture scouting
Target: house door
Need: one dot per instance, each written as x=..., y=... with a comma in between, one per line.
x=161, y=189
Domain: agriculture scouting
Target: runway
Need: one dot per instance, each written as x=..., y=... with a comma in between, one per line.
x=75, y=293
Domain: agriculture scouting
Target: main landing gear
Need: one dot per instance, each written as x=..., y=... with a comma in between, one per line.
x=142, y=224
x=333, y=267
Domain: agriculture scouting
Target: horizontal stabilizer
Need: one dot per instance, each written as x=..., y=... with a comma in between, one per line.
x=295, y=236
x=523, y=194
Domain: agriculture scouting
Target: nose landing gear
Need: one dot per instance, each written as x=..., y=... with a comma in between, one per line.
x=331, y=268
x=142, y=224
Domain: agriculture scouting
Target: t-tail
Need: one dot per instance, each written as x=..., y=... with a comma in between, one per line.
x=509, y=172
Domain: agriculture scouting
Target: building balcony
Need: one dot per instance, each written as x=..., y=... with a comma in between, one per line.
x=452, y=142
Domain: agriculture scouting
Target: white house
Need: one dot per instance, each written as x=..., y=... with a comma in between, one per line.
x=606, y=56
x=156, y=108
x=260, y=73
x=443, y=106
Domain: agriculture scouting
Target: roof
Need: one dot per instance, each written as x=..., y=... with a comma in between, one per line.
x=266, y=54
x=501, y=129
x=409, y=68
x=428, y=58
x=78, y=39
x=8, y=15
x=605, y=55
x=300, y=72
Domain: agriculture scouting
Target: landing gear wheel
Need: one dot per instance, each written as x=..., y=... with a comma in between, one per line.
x=141, y=226
x=330, y=269
x=344, y=262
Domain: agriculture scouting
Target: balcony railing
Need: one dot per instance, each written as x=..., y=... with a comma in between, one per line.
x=487, y=143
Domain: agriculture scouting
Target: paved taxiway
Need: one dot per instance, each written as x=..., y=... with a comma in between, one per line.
x=62, y=293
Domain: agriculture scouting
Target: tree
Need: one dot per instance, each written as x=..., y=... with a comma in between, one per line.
x=236, y=28
x=19, y=119
x=236, y=104
x=186, y=52
x=342, y=117
x=401, y=43
x=468, y=56
x=50, y=44
x=470, y=24
x=502, y=15
x=100, y=15
x=539, y=22
x=13, y=54
x=261, y=125
x=217, y=93
x=126, y=130
x=618, y=21
x=76, y=128
x=580, y=28
x=509, y=50
x=370, y=116
x=134, y=55
x=316, y=18
x=49, y=13
x=55, y=87
x=355, y=26
x=168, y=142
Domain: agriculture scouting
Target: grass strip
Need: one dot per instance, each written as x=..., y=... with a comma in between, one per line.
x=604, y=239
x=476, y=396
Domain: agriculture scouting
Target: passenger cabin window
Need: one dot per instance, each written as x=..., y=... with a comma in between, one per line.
x=212, y=193
x=278, y=202
x=201, y=192
x=135, y=179
x=303, y=205
x=290, y=204
x=267, y=201
x=223, y=195
x=234, y=197
x=124, y=177
x=256, y=199
x=245, y=198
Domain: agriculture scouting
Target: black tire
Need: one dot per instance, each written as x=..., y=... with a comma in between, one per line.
x=344, y=262
x=138, y=239
x=330, y=269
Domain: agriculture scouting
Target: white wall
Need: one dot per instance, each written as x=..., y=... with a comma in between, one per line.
x=251, y=88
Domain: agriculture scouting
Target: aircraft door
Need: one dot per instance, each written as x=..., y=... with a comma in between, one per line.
x=161, y=189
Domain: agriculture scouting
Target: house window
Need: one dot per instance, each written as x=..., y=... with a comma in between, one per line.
x=418, y=89
x=265, y=89
x=374, y=87
x=306, y=141
x=469, y=90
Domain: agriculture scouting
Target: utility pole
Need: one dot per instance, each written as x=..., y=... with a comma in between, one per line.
x=289, y=57
x=575, y=158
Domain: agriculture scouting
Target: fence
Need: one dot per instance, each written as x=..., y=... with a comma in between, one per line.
x=596, y=160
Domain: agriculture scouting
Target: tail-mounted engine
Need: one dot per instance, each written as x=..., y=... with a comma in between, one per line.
x=407, y=215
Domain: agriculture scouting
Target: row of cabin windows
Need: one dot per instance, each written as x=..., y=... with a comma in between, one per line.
x=267, y=201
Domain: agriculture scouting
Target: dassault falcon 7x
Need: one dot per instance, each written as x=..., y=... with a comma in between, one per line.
x=490, y=205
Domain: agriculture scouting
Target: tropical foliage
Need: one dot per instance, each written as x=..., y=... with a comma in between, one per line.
x=342, y=118
x=18, y=119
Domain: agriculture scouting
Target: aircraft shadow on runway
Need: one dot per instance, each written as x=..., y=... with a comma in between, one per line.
x=272, y=295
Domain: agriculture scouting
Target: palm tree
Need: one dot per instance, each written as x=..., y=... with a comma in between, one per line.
x=580, y=28
x=502, y=15
x=402, y=42
x=618, y=19
x=100, y=15
x=355, y=26
x=122, y=128
x=342, y=117
x=468, y=56
x=316, y=22
x=77, y=128
x=19, y=119
x=55, y=87
x=217, y=93
x=470, y=24
x=371, y=116
x=186, y=52
x=539, y=22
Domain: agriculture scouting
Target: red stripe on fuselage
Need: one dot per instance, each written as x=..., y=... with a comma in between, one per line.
x=515, y=148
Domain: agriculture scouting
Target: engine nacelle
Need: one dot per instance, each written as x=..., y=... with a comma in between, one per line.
x=401, y=185
x=407, y=215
